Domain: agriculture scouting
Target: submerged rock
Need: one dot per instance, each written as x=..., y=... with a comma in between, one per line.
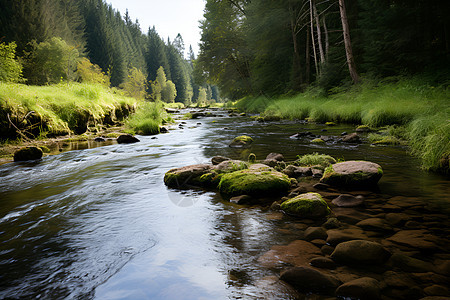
x=258, y=180
x=365, y=288
x=307, y=279
x=346, y=200
x=275, y=156
x=242, y=141
x=360, y=252
x=127, y=139
x=309, y=205
x=294, y=172
x=352, y=138
x=28, y=153
x=352, y=174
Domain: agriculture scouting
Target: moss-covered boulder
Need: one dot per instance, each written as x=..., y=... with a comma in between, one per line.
x=309, y=205
x=352, y=174
x=318, y=141
x=258, y=180
x=28, y=153
x=242, y=141
x=196, y=175
x=229, y=166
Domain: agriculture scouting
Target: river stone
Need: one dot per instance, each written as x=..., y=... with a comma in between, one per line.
x=365, y=288
x=323, y=263
x=218, y=159
x=28, y=153
x=331, y=223
x=275, y=156
x=270, y=162
x=375, y=224
x=294, y=171
x=243, y=200
x=353, y=174
x=351, y=138
x=99, y=139
x=346, y=200
x=255, y=181
x=420, y=239
x=336, y=236
x=230, y=166
x=313, y=233
x=127, y=139
x=163, y=130
x=242, y=141
x=436, y=290
x=359, y=253
x=189, y=175
x=410, y=264
x=309, y=205
x=306, y=279
x=297, y=253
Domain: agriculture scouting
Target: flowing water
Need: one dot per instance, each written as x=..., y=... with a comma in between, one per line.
x=99, y=223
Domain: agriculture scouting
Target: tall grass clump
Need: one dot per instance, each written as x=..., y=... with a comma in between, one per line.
x=315, y=159
x=253, y=105
x=148, y=118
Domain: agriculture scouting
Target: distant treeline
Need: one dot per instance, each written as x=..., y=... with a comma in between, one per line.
x=47, y=41
x=267, y=47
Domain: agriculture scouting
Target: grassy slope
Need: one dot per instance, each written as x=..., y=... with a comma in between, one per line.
x=67, y=108
x=423, y=111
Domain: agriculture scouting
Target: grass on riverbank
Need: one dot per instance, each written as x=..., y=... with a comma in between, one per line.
x=420, y=112
x=74, y=108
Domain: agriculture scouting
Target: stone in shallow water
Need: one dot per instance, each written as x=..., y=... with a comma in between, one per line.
x=297, y=253
x=323, y=263
x=127, y=139
x=375, y=224
x=352, y=174
x=346, y=200
x=218, y=159
x=307, y=279
x=28, y=153
x=336, y=236
x=360, y=253
x=365, y=288
x=309, y=205
x=189, y=175
x=420, y=239
x=242, y=141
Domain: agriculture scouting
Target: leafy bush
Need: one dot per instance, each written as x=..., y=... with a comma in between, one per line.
x=10, y=67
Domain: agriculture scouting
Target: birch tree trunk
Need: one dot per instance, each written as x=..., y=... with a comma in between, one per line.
x=319, y=35
x=327, y=39
x=347, y=43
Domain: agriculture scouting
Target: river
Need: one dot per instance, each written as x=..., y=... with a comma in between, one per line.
x=99, y=223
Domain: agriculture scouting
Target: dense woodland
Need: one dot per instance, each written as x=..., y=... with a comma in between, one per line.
x=271, y=47
x=46, y=42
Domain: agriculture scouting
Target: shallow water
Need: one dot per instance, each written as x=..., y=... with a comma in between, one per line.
x=100, y=223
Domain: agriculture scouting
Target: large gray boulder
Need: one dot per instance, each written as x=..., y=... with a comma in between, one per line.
x=353, y=174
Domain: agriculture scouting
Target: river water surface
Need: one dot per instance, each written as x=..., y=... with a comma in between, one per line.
x=100, y=223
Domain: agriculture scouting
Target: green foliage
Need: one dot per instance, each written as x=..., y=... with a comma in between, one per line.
x=60, y=109
x=91, y=73
x=51, y=62
x=136, y=84
x=10, y=67
x=148, y=118
x=315, y=159
x=378, y=139
x=202, y=99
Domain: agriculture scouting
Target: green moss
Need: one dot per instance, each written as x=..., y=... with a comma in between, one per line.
x=45, y=149
x=318, y=141
x=243, y=138
x=330, y=124
x=252, y=158
x=309, y=205
x=378, y=139
x=254, y=183
x=187, y=116
x=211, y=179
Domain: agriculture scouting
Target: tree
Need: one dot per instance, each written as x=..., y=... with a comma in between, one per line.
x=163, y=89
x=136, y=84
x=347, y=42
x=10, y=67
x=178, y=43
x=91, y=73
x=51, y=62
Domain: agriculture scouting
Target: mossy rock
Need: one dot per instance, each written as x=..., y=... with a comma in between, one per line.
x=189, y=175
x=229, y=166
x=318, y=141
x=256, y=181
x=330, y=124
x=352, y=174
x=28, y=153
x=314, y=159
x=241, y=141
x=363, y=128
x=309, y=205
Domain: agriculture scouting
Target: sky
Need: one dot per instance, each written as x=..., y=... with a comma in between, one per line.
x=169, y=17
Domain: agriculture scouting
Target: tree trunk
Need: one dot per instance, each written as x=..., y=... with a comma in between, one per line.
x=296, y=68
x=327, y=40
x=347, y=43
x=312, y=35
x=319, y=35
x=308, y=58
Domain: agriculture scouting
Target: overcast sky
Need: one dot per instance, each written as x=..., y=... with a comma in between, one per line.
x=169, y=17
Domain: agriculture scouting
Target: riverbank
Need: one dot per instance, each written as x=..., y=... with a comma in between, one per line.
x=53, y=116
x=408, y=110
